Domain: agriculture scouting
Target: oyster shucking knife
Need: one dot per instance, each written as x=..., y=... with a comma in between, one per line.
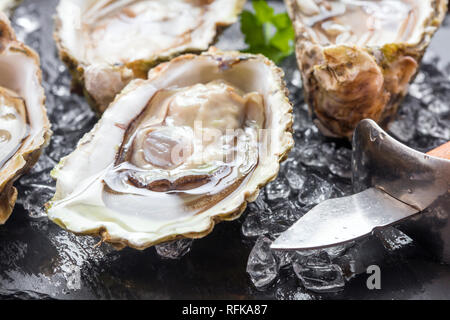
x=394, y=185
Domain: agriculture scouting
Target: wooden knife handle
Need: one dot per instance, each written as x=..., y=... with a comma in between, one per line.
x=441, y=152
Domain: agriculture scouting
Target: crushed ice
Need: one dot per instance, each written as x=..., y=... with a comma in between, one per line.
x=317, y=169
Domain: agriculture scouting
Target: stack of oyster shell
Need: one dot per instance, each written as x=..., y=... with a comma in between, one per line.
x=189, y=134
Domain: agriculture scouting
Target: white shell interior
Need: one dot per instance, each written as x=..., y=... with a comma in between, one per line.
x=20, y=72
x=122, y=31
x=358, y=22
x=13, y=123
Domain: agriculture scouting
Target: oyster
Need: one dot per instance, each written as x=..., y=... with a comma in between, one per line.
x=24, y=127
x=108, y=43
x=177, y=153
x=358, y=57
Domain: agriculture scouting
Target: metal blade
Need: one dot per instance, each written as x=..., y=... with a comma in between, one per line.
x=337, y=221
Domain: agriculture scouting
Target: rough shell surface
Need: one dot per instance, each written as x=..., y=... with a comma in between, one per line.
x=347, y=82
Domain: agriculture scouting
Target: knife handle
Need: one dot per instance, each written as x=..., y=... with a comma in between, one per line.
x=441, y=152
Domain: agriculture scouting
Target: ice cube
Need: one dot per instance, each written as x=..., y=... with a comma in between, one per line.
x=174, y=249
x=285, y=258
x=431, y=124
x=278, y=189
x=295, y=179
x=324, y=278
x=393, y=239
x=439, y=106
x=255, y=221
x=33, y=200
x=262, y=266
x=316, y=154
x=269, y=221
x=288, y=293
x=340, y=163
x=403, y=128
x=316, y=190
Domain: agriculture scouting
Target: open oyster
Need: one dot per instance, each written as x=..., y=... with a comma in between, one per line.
x=177, y=153
x=107, y=43
x=7, y=5
x=24, y=127
x=358, y=57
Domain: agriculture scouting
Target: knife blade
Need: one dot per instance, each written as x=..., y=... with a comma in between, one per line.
x=340, y=220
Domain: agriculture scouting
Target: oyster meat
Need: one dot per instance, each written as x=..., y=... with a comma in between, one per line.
x=108, y=43
x=24, y=126
x=177, y=153
x=358, y=57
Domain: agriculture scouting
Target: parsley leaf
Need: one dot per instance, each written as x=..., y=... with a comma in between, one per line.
x=263, y=11
x=268, y=33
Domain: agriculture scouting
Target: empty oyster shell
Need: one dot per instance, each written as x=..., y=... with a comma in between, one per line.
x=108, y=43
x=358, y=57
x=177, y=153
x=24, y=127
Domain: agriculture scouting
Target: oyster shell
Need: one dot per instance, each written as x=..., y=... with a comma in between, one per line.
x=358, y=57
x=177, y=153
x=108, y=43
x=24, y=126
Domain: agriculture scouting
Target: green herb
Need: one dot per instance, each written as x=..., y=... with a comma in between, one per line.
x=268, y=33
